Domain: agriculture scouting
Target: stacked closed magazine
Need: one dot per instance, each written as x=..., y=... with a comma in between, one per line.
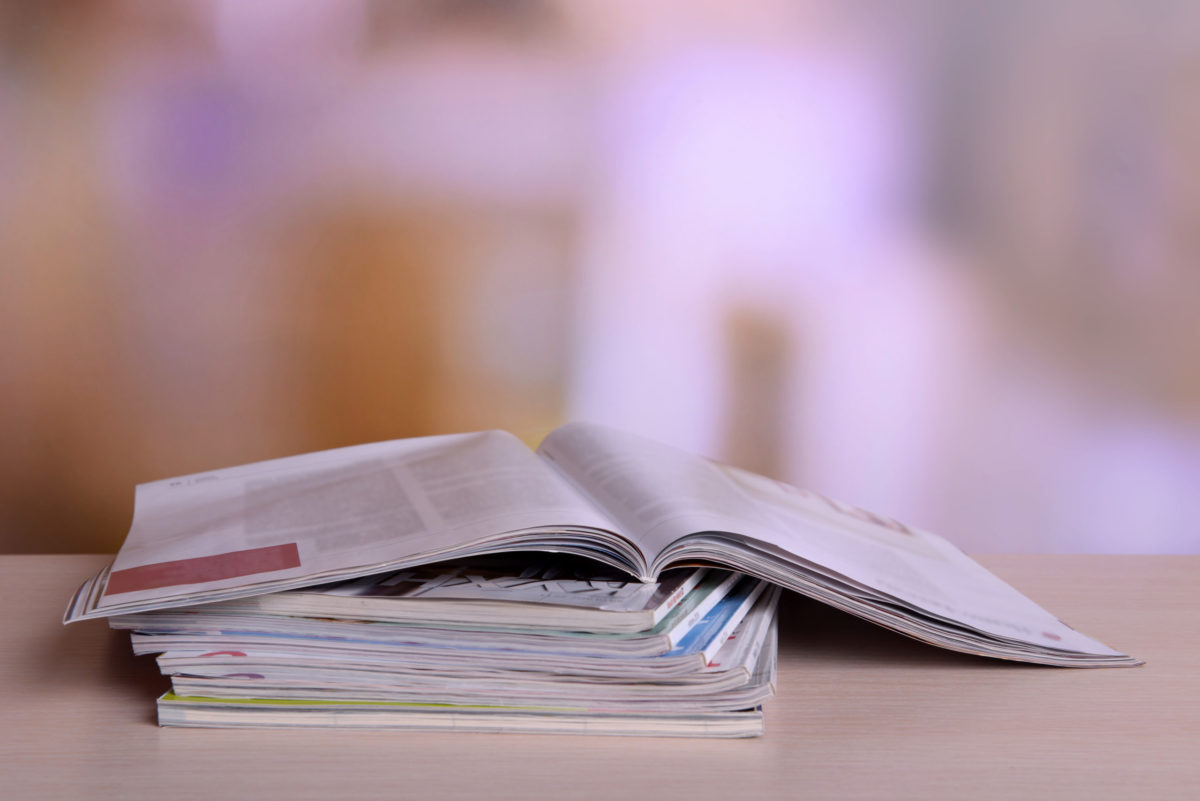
x=530, y=644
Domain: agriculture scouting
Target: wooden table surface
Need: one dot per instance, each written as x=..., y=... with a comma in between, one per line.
x=861, y=713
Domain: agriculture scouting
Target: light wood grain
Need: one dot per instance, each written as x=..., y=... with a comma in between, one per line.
x=861, y=713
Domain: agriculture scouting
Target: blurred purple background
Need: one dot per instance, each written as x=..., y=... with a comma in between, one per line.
x=936, y=259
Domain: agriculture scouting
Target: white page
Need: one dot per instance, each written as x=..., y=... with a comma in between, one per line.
x=661, y=494
x=303, y=515
x=655, y=492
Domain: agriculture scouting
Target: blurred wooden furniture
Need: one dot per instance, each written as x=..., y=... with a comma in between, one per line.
x=861, y=713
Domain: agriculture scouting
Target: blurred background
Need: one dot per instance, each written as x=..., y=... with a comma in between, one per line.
x=938, y=259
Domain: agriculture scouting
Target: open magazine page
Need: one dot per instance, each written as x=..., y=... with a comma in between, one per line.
x=300, y=518
x=656, y=493
x=665, y=496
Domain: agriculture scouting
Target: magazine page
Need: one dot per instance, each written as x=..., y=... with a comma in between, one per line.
x=664, y=496
x=656, y=493
x=293, y=520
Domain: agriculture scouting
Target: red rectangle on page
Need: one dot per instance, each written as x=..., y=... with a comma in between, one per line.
x=203, y=568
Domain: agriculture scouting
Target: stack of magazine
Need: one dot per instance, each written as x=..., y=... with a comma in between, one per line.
x=246, y=580
x=531, y=643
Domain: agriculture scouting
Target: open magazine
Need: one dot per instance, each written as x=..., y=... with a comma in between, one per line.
x=590, y=491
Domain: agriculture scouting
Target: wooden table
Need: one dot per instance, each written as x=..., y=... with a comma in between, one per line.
x=861, y=713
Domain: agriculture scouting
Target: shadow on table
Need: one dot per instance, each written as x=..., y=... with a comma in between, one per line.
x=90, y=654
x=810, y=630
